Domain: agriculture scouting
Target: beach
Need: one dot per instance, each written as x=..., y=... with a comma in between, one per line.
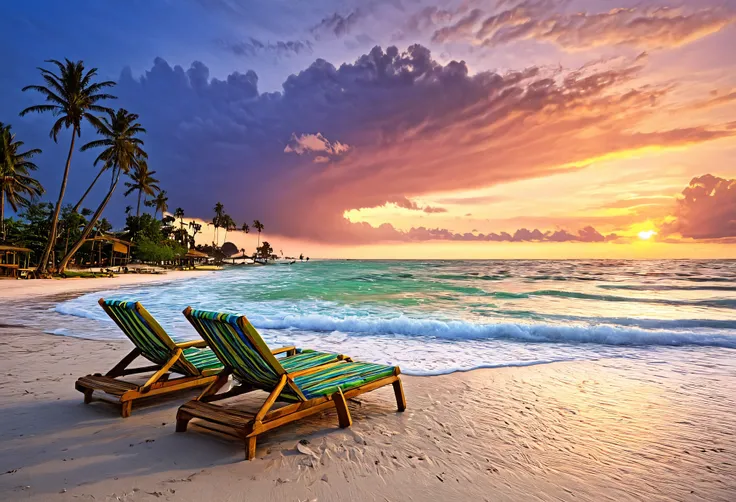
x=584, y=430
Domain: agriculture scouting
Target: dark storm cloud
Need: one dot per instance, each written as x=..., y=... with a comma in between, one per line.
x=253, y=47
x=337, y=24
x=413, y=126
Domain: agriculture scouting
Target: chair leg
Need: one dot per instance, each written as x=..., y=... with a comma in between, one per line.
x=88, y=396
x=126, y=409
x=400, y=398
x=182, y=421
x=343, y=413
x=250, y=448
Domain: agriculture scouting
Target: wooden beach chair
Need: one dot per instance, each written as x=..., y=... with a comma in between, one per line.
x=197, y=364
x=309, y=390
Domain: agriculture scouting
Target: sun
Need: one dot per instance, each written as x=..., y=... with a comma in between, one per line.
x=647, y=234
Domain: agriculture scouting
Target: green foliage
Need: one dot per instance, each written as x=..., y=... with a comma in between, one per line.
x=31, y=229
x=264, y=251
x=167, y=227
x=17, y=187
x=71, y=225
x=143, y=227
x=150, y=244
x=151, y=251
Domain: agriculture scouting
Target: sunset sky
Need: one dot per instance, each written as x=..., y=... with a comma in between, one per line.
x=410, y=128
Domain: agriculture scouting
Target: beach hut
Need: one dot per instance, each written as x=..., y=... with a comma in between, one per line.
x=15, y=261
x=119, y=250
x=192, y=258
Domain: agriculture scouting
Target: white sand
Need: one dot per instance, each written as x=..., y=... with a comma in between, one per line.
x=569, y=431
x=17, y=289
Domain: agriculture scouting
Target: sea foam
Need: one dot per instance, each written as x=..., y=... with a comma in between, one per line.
x=603, y=334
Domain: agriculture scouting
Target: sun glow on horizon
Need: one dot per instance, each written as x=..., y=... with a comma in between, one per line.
x=645, y=235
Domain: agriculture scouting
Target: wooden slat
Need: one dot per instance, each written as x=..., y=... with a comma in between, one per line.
x=106, y=384
x=232, y=418
x=169, y=386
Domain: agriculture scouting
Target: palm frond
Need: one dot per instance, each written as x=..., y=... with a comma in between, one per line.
x=95, y=144
x=57, y=127
x=39, y=109
x=100, y=85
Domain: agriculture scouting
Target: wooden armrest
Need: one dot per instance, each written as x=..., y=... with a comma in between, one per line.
x=290, y=351
x=193, y=343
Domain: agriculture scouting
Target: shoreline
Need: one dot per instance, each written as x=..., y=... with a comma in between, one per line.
x=580, y=430
x=41, y=288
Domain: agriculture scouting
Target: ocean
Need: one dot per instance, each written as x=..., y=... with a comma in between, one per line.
x=435, y=317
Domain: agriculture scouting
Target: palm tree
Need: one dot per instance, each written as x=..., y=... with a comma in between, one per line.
x=143, y=182
x=123, y=152
x=245, y=228
x=258, y=226
x=217, y=220
x=15, y=184
x=196, y=227
x=228, y=224
x=72, y=96
x=160, y=203
x=179, y=213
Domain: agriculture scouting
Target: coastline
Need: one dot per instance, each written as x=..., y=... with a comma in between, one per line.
x=39, y=288
x=565, y=431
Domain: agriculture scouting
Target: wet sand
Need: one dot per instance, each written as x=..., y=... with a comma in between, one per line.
x=600, y=430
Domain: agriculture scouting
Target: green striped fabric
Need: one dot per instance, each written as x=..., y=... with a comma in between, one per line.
x=306, y=359
x=202, y=359
x=232, y=346
x=227, y=339
x=151, y=342
x=344, y=376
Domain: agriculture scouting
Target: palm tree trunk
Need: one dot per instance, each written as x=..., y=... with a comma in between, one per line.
x=52, y=233
x=88, y=228
x=138, y=207
x=76, y=208
x=66, y=243
x=2, y=213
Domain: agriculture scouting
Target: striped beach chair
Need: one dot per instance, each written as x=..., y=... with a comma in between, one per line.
x=308, y=390
x=197, y=364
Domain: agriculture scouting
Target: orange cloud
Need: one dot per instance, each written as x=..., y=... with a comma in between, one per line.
x=707, y=209
x=649, y=28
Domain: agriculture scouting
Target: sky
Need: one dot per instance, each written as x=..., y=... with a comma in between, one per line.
x=411, y=128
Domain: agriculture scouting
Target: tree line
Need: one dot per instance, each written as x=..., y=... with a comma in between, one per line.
x=58, y=233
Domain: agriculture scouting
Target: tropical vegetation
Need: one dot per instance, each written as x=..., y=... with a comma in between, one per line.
x=16, y=184
x=72, y=95
x=60, y=234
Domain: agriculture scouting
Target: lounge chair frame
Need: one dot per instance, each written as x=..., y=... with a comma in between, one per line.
x=124, y=392
x=247, y=426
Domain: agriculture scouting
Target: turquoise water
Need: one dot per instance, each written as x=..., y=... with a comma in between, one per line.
x=442, y=316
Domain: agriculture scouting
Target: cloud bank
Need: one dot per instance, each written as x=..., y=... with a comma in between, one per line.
x=706, y=210
x=400, y=123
